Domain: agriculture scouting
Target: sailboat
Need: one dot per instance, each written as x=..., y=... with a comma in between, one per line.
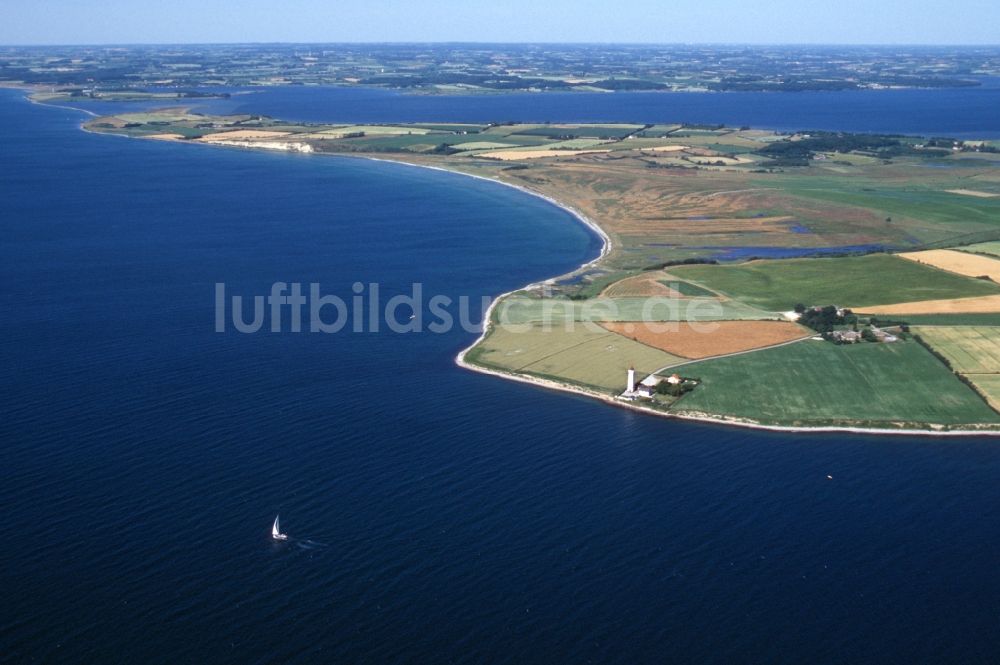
x=276, y=530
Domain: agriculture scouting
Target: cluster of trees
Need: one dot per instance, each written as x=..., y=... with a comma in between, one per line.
x=801, y=152
x=682, y=262
x=675, y=389
x=824, y=319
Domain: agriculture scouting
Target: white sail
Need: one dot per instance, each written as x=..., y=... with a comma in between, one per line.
x=276, y=530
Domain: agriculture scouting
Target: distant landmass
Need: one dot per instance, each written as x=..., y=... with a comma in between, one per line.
x=472, y=68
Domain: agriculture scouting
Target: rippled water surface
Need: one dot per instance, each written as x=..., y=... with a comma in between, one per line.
x=435, y=515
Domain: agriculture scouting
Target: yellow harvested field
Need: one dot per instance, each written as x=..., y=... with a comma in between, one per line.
x=973, y=351
x=963, y=263
x=988, y=385
x=667, y=148
x=165, y=137
x=978, y=305
x=972, y=192
x=514, y=155
x=243, y=135
x=707, y=340
x=969, y=349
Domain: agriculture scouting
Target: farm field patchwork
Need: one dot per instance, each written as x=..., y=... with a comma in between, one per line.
x=847, y=281
x=818, y=383
x=669, y=196
x=556, y=311
x=710, y=339
x=591, y=357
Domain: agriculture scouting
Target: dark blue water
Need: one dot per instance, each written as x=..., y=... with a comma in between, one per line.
x=436, y=515
x=743, y=253
x=962, y=112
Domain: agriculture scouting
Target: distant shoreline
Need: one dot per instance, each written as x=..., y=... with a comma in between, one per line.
x=462, y=361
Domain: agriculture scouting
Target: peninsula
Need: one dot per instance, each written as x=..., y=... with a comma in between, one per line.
x=806, y=280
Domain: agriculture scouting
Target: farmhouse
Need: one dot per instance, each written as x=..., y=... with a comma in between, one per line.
x=846, y=336
x=883, y=336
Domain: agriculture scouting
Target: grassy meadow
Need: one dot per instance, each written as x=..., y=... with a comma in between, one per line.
x=847, y=281
x=596, y=359
x=817, y=383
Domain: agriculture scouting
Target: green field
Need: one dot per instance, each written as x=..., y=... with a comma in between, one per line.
x=482, y=145
x=990, y=248
x=983, y=319
x=582, y=131
x=856, y=281
x=818, y=383
x=593, y=358
x=452, y=127
x=556, y=310
x=688, y=289
x=914, y=202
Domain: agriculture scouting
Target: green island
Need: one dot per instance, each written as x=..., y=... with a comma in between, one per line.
x=809, y=280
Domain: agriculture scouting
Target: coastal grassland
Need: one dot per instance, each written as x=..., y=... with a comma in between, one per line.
x=814, y=383
x=706, y=340
x=665, y=192
x=655, y=213
x=586, y=356
x=853, y=281
x=905, y=193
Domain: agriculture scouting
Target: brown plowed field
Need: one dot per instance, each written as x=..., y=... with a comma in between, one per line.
x=704, y=340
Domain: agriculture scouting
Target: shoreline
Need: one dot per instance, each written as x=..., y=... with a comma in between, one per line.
x=606, y=246
x=460, y=358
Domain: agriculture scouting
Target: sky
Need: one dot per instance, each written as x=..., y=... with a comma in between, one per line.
x=621, y=21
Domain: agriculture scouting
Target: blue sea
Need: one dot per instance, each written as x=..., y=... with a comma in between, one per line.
x=434, y=515
x=961, y=113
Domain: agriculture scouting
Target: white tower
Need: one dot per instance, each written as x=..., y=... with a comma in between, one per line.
x=631, y=380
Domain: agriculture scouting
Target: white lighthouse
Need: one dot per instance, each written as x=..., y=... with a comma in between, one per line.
x=631, y=381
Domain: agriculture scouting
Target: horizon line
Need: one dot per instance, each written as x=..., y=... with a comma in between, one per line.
x=499, y=43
